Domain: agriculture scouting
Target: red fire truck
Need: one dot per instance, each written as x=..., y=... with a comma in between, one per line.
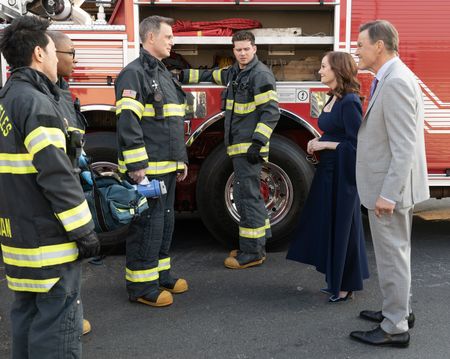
x=298, y=34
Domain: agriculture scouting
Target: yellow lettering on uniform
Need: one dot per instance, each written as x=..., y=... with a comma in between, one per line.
x=5, y=123
x=5, y=227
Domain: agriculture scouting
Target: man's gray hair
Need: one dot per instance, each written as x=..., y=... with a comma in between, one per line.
x=152, y=24
x=382, y=30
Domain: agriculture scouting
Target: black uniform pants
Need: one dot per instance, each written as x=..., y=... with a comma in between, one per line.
x=149, y=240
x=49, y=325
x=254, y=225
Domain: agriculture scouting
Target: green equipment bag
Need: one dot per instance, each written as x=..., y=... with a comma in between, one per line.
x=113, y=202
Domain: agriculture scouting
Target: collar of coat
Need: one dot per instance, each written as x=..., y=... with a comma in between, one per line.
x=149, y=61
x=250, y=66
x=62, y=84
x=36, y=78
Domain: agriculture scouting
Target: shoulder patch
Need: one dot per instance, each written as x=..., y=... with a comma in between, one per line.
x=129, y=93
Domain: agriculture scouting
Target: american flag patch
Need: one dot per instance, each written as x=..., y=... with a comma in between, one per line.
x=129, y=93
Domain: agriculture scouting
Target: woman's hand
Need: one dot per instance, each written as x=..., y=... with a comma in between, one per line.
x=316, y=145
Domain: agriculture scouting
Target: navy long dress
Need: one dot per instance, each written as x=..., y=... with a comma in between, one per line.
x=330, y=233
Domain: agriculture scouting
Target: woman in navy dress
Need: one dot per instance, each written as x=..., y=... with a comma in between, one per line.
x=330, y=233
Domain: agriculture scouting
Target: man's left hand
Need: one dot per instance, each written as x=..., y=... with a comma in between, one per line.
x=383, y=207
x=181, y=176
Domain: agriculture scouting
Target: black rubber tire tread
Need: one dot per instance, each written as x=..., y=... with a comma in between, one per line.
x=101, y=146
x=214, y=174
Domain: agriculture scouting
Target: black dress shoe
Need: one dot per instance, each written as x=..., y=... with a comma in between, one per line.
x=379, y=337
x=378, y=317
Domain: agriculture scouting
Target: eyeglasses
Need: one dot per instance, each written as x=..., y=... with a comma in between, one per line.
x=312, y=159
x=72, y=52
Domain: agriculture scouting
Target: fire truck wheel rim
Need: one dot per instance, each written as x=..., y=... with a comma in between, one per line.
x=279, y=200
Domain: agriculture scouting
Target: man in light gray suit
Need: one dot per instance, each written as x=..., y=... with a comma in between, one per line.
x=391, y=176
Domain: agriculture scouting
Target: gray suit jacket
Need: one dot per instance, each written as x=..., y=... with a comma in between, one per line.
x=390, y=160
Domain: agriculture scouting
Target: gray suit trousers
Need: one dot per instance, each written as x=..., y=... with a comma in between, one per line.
x=391, y=236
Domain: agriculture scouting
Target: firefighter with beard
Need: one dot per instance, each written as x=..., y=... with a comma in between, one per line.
x=46, y=225
x=150, y=129
x=251, y=113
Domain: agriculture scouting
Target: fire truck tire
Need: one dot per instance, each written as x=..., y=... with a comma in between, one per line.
x=101, y=146
x=287, y=169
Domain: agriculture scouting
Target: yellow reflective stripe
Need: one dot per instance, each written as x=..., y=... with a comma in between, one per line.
x=181, y=165
x=173, y=109
x=241, y=148
x=169, y=109
x=240, y=108
x=244, y=108
x=238, y=148
x=31, y=285
x=149, y=111
x=42, y=137
x=193, y=76
x=156, y=168
x=263, y=129
x=76, y=217
x=127, y=103
x=71, y=129
x=252, y=232
x=122, y=166
x=267, y=223
x=229, y=105
x=139, y=276
x=41, y=256
x=135, y=155
x=17, y=163
x=266, y=97
x=164, y=264
x=162, y=167
x=217, y=76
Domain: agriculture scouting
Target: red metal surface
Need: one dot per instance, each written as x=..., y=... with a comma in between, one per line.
x=424, y=30
x=246, y=2
x=424, y=46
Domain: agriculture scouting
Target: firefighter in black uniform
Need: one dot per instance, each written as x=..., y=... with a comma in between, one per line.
x=150, y=129
x=251, y=114
x=67, y=61
x=65, y=52
x=45, y=223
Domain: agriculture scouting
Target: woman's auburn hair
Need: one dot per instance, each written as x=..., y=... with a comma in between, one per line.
x=346, y=71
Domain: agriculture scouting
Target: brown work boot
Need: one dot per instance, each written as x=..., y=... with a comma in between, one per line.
x=171, y=284
x=179, y=286
x=163, y=299
x=234, y=253
x=243, y=260
x=86, y=327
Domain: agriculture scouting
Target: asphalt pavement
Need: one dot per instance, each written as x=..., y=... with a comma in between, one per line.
x=273, y=311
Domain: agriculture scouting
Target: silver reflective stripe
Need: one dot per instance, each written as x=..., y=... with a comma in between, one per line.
x=40, y=257
x=75, y=217
x=164, y=264
x=146, y=275
x=161, y=167
x=16, y=163
x=31, y=285
x=42, y=137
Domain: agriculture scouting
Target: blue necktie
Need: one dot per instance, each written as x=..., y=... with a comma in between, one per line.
x=373, y=87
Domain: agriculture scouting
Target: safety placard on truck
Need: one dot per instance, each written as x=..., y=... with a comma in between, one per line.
x=293, y=94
